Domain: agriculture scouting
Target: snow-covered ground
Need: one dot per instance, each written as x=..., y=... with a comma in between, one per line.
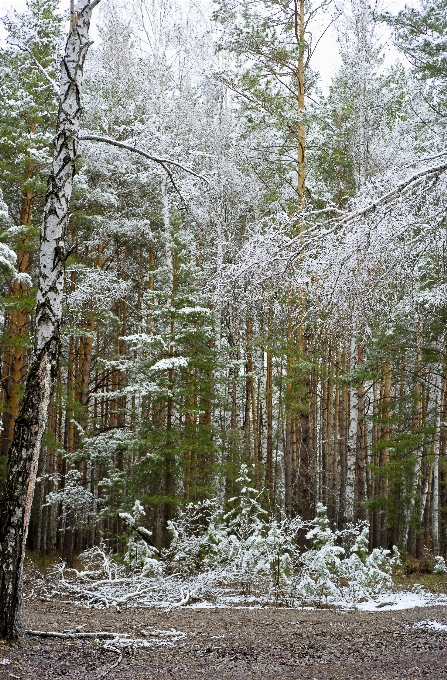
x=431, y=625
x=403, y=600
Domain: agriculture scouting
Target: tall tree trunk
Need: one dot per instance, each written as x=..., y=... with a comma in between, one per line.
x=306, y=467
x=409, y=519
x=385, y=452
x=436, y=441
x=288, y=478
x=16, y=330
x=248, y=389
x=352, y=440
x=269, y=412
x=328, y=498
x=361, y=442
x=335, y=480
x=170, y=444
x=299, y=22
x=343, y=442
x=23, y=454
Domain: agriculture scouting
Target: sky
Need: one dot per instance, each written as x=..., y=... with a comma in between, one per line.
x=326, y=58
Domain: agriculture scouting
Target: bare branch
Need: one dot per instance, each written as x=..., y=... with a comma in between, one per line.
x=430, y=158
x=161, y=161
x=383, y=200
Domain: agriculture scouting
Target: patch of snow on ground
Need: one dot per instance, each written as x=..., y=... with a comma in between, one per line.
x=403, y=600
x=432, y=625
x=385, y=602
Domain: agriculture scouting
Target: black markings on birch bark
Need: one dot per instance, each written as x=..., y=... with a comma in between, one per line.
x=23, y=456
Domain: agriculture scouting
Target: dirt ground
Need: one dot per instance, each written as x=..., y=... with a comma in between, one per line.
x=260, y=644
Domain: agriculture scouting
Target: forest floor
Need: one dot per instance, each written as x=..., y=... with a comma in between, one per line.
x=236, y=643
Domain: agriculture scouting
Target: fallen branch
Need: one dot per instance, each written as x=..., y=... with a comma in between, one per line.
x=76, y=635
x=117, y=638
x=163, y=633
x=112, y=648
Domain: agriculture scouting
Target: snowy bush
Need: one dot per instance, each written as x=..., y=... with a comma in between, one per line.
x=223, y=557
x=256, y=554
x=440, y=565
x=244, y=546
x=140, y=555
x=76, y=501
x=196, y=538
x=98, y=562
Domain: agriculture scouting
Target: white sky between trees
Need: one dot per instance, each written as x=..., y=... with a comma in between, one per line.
x=326, y=59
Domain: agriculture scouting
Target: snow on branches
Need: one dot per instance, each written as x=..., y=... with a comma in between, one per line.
x=243, y=555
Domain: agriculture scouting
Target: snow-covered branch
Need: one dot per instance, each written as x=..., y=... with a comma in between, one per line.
x=128, y=147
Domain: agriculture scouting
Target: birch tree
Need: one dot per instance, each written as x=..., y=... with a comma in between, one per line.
x=27, y=124
x=30, y=425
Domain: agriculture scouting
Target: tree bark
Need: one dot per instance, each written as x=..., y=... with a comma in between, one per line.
x=30, y=425
x=385, y=451
x=269, y=413
x=352, y=441
x=299, y=16
x=16, y=331
x=362, y=452
x=437, y=387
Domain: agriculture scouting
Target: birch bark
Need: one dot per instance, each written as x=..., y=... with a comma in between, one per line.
x=437, y=398
x=30, y=425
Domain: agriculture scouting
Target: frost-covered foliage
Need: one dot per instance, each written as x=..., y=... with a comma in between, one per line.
x=7, y=259
x=8, y=256
x=141, y=555
x=266, y=557
x=440, y=565
x=226, y=557
x=95, y=287
x=75, y=500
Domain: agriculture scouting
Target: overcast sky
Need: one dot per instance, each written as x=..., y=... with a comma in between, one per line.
x=325, y=60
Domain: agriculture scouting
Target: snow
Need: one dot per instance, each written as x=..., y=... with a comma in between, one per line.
x=402, y=600
x=7, y=257
x=431, y=625
x=194, y=310
x=172, y=362
x=241, y=558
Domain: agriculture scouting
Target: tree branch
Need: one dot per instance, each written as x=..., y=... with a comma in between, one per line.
x=161, y=161
x=383, y=200
x=74, y=635
x=50, y=80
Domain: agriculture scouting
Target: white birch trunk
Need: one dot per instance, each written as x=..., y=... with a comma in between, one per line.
x=436, y=442
x=352, y=439
x=432, y=408
x=319, y=467
x=30, y=425
x=413, y=486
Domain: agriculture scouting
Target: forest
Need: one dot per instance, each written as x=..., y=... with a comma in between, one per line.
x=252, y=286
